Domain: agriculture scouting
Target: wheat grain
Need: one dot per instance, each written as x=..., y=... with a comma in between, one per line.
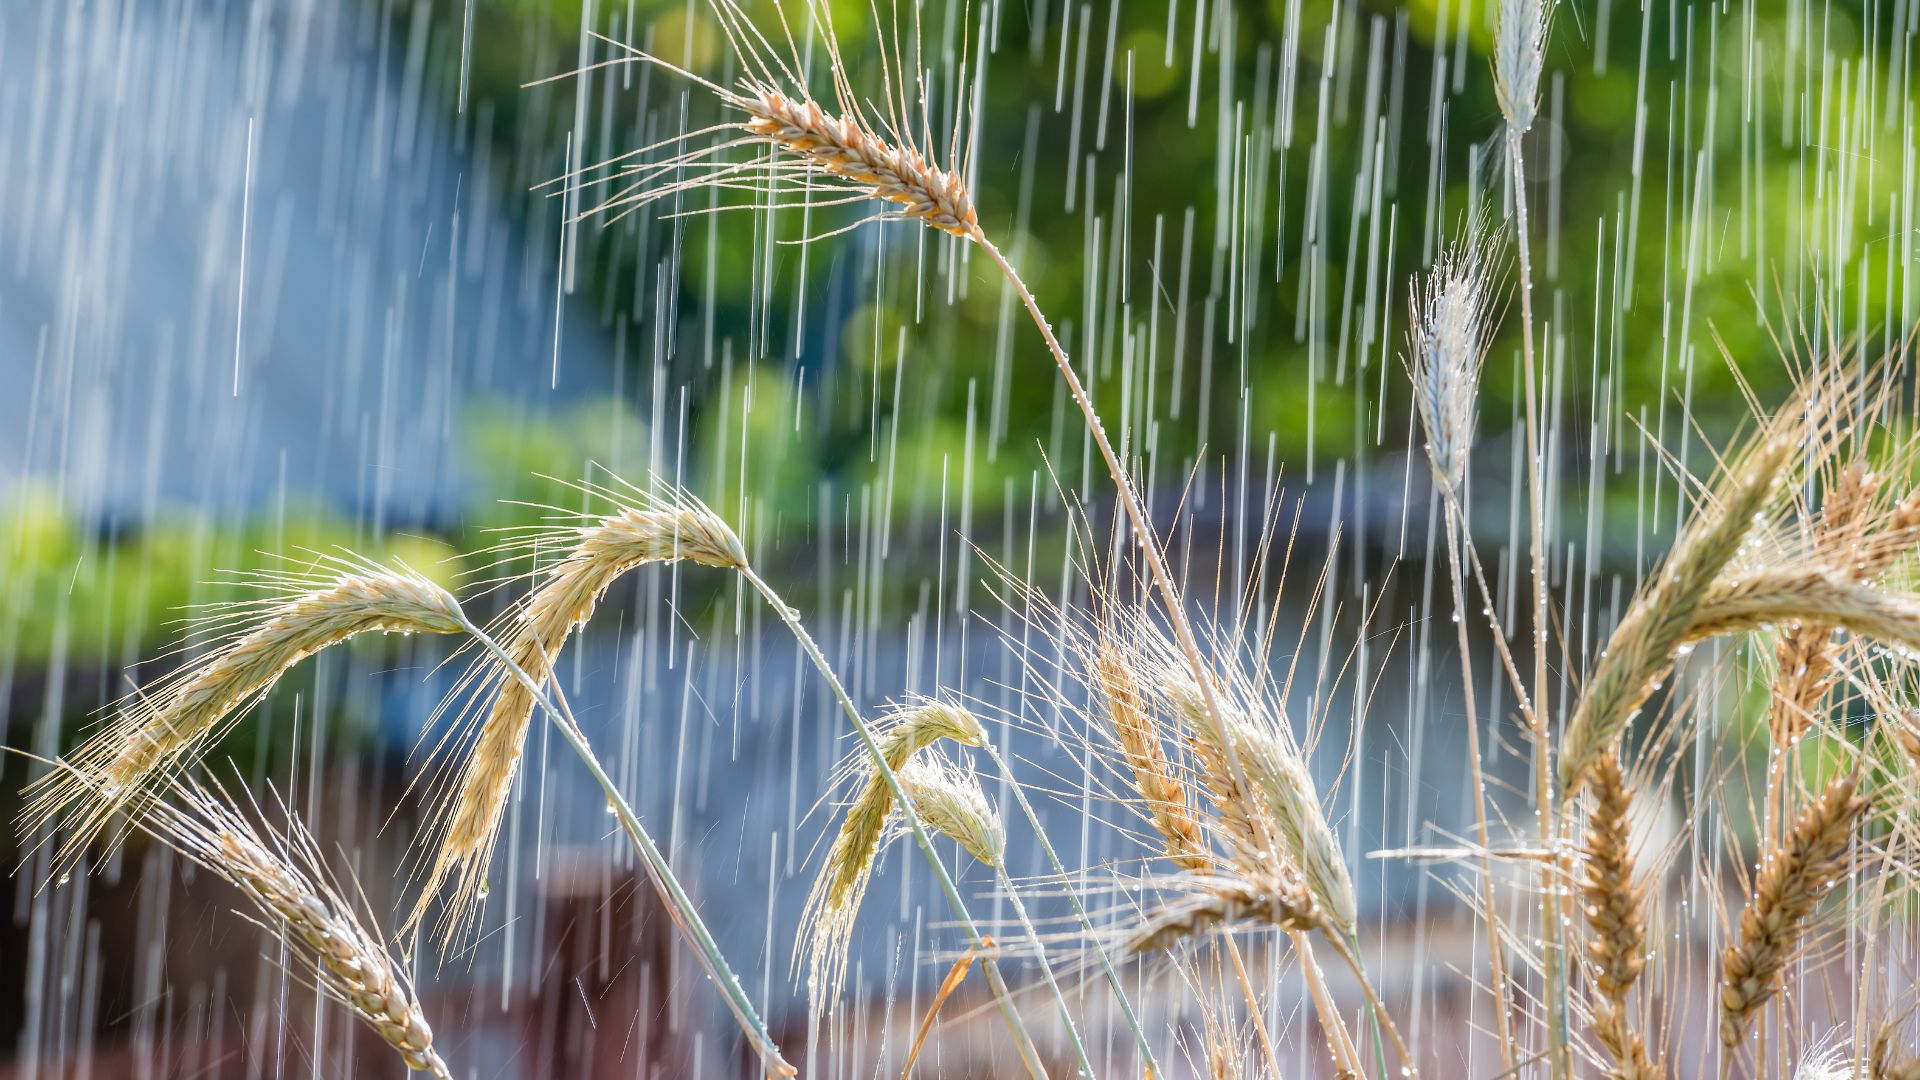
x=1794, y=876
x=1519, y=55
x=1615, y=910
x=834, y=900
x=165, y=726
x=667, y=528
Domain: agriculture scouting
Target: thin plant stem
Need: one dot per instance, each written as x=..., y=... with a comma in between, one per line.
x=1553, y=960
x=1079, y=909
x=1346, y=1056
x=1496, y=959
x=1024, y=1042
x=679, y=905
x=1259, y=1016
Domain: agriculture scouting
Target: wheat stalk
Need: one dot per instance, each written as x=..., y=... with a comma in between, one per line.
x=288, y=887
x=1794, y=876
x=259, y=640
x=664, y=528
x=1615, y=910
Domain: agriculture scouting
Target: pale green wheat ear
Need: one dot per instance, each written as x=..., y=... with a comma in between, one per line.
x=948, y=798
x=248, y=645
x=834, y=901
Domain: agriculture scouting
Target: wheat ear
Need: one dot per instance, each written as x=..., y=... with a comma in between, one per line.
x=949, y=799
x=1282, y=901
x=287, y=885
x=1642, y=646
x=1615, y=909
x=1137, y=731
x=1794, y=876
x=165, y=725
x=834, y=900
x=671, y=528
x=1285, y=796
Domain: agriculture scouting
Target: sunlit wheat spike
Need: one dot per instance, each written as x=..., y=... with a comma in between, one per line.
x=1519, y=55
x=288, y=886
x=807, y=148
x=1616, y=914
x=664, y=527
x=1209, y=903
x=1641, y=648
x=948, y=798
x=1794, y=876
x=834, y=899
x=1449, y=314
x=1285, y=793
x=256, y=641
x=1137, y=731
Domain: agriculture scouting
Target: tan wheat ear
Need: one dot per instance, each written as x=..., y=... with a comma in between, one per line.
x=287, y=885
x=1137, y=731
x=834, y=899
x=1278, y=900
x=1616, y=913
x=257, y=641
x=1794, y=877
x=1642, y=646
x=667, y=527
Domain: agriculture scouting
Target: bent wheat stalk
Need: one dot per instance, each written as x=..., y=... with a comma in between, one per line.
x=679, y=906
x=1642, y=646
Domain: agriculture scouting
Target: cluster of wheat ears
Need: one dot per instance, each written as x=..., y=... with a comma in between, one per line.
x=1797, y=539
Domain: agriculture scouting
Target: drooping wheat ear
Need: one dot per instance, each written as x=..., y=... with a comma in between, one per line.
x=948, y=798
x=1137, y=731
x=288, y=886
x=1519, y=55
x=1763, y=598
x=259, y=640
x=834, y=900
x=1794, y=876
x=668, y=528
x=1284, y=791
x=1642, y=646
x=1615, y=908
x=1281, y=900
x=1450, y=324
